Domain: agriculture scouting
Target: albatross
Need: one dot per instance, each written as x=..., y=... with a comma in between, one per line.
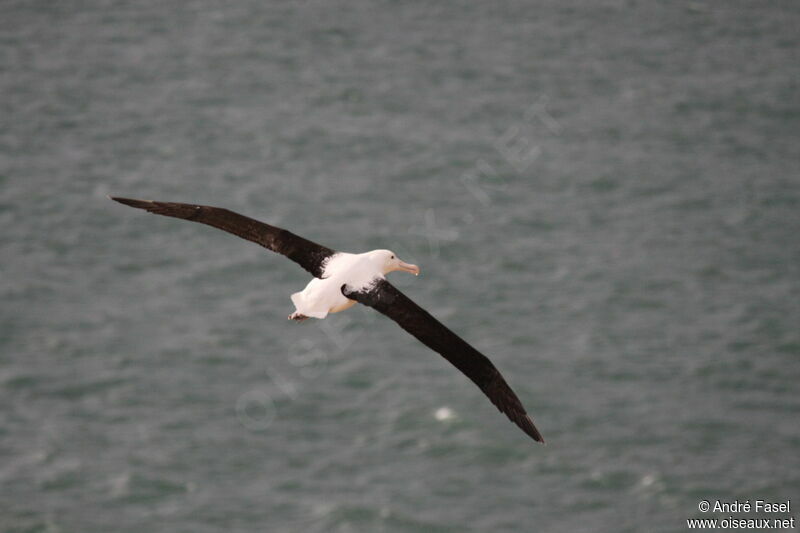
x=340, y=280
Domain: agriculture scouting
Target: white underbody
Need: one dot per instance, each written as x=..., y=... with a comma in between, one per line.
x=324, y=295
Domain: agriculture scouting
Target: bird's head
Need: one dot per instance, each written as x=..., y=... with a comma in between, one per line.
x=389, y=262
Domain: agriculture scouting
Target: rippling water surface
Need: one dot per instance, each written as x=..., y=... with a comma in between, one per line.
x=603, y=196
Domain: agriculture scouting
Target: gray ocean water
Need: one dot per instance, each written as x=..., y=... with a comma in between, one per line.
x=603, y=196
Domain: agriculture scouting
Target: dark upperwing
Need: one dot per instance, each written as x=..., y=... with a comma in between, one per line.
x=309, y=255
x=384, y=297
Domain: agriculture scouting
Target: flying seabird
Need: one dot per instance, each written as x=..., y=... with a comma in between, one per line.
x=342, y=279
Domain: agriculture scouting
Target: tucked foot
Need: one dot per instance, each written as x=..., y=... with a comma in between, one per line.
x=299, y=317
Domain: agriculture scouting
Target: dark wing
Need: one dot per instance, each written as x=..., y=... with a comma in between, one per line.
x=384, y=297
x=305, y=253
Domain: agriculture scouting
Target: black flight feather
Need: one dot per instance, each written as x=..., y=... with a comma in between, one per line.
x=386, y=298
x=309, y=255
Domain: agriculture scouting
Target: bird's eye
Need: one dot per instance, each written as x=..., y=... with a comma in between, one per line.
x=391, y=257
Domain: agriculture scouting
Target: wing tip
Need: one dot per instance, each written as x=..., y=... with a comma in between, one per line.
x=530, y=428
x=141, y=204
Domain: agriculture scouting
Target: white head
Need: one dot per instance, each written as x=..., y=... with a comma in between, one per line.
x=389, y=262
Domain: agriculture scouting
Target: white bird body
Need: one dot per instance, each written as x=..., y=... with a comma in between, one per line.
x=358, y=271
